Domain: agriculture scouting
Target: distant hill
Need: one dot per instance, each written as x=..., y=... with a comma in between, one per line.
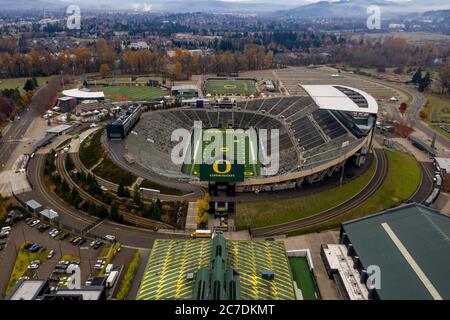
x=358, y=8
x=30, y=4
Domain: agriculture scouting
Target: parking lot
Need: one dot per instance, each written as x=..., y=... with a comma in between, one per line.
x=22, y=233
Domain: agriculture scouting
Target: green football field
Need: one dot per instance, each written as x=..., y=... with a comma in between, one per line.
x=132, y=93
x=252, y=166
x=239, y=87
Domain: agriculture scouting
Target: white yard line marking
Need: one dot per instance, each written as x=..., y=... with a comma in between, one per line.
x=422, y=276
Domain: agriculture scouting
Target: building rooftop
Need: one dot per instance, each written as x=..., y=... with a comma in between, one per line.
x=444, y=164
x=171, y=261
x=342, y=98
x=33, y=204
x=59, y=129
x=27, y=290
x=82, y=94
x=411, y=245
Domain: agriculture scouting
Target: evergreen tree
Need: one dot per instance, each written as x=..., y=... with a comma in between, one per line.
x=417, y=77
x=114, y=214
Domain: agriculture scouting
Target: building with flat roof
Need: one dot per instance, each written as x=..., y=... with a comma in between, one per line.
x=124, y=122
x=28, y=290
x=185, y=90
x=410, y=245
x=40, y=290
x=217, y=269
x=58, y=130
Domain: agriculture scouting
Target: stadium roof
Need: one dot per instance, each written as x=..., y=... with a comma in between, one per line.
x=342, y=98
x=171, y=260
x=81, y=94
x=411, y=245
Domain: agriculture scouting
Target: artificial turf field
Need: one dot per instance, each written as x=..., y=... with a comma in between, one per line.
x=133, y=93
x=225, y=87
x=252, y=166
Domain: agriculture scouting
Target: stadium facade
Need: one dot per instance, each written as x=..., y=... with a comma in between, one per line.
x=217, y=269
x=319, y=133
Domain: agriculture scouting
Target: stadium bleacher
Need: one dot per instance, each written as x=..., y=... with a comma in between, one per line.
x=307, y=135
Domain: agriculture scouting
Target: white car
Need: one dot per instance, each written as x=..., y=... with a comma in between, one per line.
x=110, y=238
x=34, y=223
x=6, y=229
x=33, y=266
x=51, y=254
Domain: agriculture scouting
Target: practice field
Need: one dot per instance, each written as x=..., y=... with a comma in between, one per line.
x=252, y=166
x=238, y=87
x=125, y=93
x=18, y=83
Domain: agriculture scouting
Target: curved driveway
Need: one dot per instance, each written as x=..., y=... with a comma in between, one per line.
x=128, y=236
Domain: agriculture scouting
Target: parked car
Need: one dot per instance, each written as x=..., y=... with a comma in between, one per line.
x=64, y=236
x=28, y=220
x=34, y=223
x=109, y=238
x=81, y=241
x=33, y=266
x=51, y=254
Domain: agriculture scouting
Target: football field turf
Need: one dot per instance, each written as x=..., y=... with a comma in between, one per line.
x=132, y=93
x=252, y=166
x=239, y=87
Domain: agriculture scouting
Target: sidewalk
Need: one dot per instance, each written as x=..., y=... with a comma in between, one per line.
x=191, y=218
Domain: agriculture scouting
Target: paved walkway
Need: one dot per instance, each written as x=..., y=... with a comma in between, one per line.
x=191, y=218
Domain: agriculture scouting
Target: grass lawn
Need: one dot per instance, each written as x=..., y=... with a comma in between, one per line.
x=441, y=131
x=110, y=171
x=23, y=259
x=303, y=277
x=271, y=212
x=140, y=93
x=91, y=149
x=128, y=277
x=437, y=108
x=403, y=180
x=237, y=87
x=13, y=83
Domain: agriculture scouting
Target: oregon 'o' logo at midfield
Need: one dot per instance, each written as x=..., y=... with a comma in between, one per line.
x=219, y=162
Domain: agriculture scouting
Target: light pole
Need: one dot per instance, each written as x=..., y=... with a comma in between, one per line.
x=344, y=145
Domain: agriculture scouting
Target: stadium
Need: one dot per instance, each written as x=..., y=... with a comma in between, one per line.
x=318, y=133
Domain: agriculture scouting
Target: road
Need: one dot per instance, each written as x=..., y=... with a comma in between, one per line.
x=127, y=235
x=116, y=150
x=17, y=130
x=374, y=185
x=128, y=217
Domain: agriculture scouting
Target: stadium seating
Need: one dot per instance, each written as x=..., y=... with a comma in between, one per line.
x=315, y=135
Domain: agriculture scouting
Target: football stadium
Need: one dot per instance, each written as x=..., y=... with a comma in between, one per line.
x=318, y=134
x=230, y=87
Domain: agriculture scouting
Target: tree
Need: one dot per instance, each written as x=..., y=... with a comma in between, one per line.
x=203, y=211
x=137, y=197
x=403, y=108
x=114, y=214
x=121, y=191
x=417, y=76
x=29, y=85
x=104, y=69
x=444, y=76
